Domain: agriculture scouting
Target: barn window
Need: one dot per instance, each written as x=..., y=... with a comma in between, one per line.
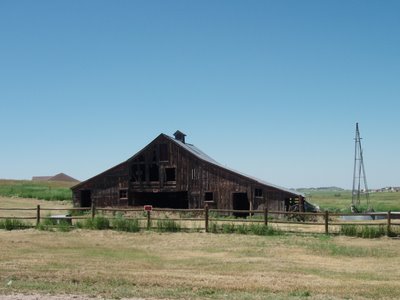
x=258, y=192
x=208, y=196
x=138, y=172
x=154, y=173
x=123, y=194
x=170, y=174
x=163, y=152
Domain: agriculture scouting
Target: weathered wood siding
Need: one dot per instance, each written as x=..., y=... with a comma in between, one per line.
x=105, y=187
x=151, y=171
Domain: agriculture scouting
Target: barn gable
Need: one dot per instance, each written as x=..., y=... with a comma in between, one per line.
x=169, y=172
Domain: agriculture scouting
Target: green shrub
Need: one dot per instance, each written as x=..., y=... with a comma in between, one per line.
x=99, y=222
x=228, y=228
x=63, y=226
x=257, y=229
x=45, y=224
x=363, y=231
x=242, y=229
x=80, y=224
x=74, y=212
x=120, y=223
x=213, y=227
x=48, y=224
x=394, y=231
x=213, y=215
x=11, y=224
x=261, y=229
x=166, y=225
x=348, y=230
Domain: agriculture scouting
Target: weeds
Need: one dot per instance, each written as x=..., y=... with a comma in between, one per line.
x=99, y=222
x=256, y=229
x=74, y=212
x=12, y=224
x=363, y=231
x=45, y=225
x=120, y=223
x=166, y=225
x=261, y=229
x=49, y=224
x=228, y=228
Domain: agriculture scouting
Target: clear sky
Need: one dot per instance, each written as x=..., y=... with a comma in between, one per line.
x=270, y=88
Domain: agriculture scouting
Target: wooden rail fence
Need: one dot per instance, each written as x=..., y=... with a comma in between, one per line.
x=206, y=216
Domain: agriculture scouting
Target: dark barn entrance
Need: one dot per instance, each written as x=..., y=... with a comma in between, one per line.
x=86, y=198
x=240, y=202
x=161, y=200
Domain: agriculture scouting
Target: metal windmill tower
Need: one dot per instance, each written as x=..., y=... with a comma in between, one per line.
x=359, y=177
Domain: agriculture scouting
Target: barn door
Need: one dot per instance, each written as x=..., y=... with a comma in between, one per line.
x=240, y=202
x=86, y=198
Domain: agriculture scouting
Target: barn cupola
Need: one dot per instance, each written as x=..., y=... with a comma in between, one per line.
x=180, y=136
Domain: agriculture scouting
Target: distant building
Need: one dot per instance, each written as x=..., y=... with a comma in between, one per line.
x=58, y=177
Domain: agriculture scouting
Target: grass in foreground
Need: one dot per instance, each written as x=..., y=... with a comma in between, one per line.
x=197, y=265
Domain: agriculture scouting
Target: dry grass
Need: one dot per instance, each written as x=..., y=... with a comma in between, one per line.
x=15, y=202
x=198, y=265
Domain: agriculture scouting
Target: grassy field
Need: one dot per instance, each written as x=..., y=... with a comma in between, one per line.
x=341, y=200
x=16, y=202
x=198, y=265
x=149, y=264
x=47, y=190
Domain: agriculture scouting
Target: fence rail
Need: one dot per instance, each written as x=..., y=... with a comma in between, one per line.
x=206, y=216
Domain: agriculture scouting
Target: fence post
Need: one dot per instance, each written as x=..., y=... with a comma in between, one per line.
x=388, y=222
x=326, y=222
x=148, y=220
x=38, y=215
x=266, y=216
x=93, y=210
x=206, y=216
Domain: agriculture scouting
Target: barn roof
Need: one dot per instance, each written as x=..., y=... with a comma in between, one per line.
x=203, y=156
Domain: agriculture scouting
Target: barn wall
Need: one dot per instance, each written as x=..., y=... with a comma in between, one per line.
x=196, y=177
x=105, y=188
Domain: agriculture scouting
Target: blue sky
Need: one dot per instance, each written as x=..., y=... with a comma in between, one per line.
x=270, y=88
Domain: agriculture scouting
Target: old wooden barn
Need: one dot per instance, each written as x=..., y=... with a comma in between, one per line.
x=171, y=173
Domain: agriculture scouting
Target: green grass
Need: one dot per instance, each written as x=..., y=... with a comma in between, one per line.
x=13, y=224
x=99, y=222
x=38, y=190
x=166, y=225
x=252, y=229
x=326, y=246
x=120, y=223
x=340, y=201
x=363, y=231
